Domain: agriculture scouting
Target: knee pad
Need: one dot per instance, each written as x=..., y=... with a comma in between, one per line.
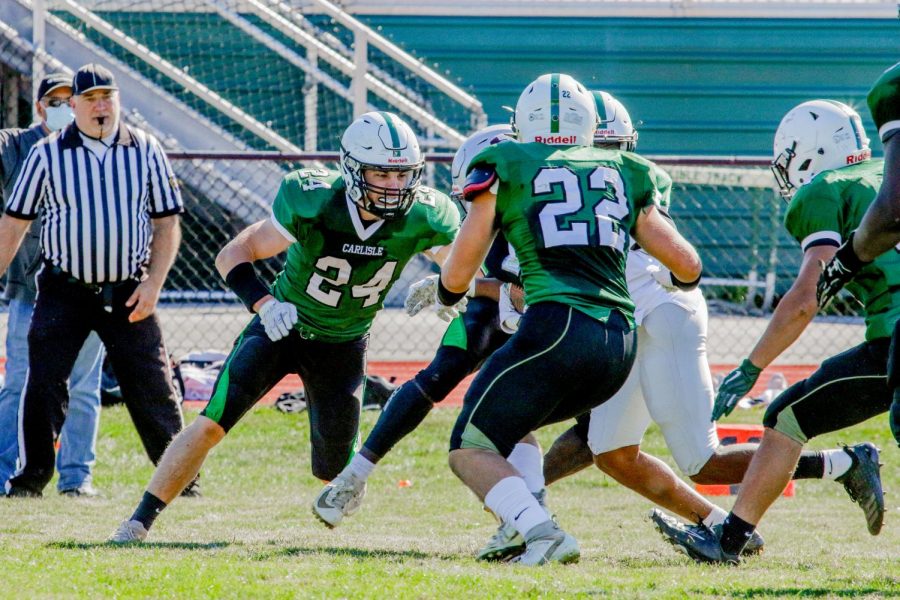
x=450, y=366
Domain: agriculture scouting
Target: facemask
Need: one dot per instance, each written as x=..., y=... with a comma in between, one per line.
x=58, y=117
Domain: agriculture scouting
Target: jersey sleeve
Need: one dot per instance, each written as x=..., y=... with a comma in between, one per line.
x=813, y=217
x=884, y=102
x=662, y=183
x=299, y=198
x=443, y=221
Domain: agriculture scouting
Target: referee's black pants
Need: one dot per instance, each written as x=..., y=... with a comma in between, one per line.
x=65, y=313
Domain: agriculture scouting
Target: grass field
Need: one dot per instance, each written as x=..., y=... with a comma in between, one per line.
x=252, y=534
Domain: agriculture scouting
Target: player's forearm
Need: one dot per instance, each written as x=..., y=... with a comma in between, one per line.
x=791, y=317
x=879, y=230
x=164, y=248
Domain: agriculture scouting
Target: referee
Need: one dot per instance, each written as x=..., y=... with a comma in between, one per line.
x=109, y=235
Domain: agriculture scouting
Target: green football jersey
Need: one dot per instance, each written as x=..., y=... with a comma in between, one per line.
x=340, y=267
x=884, y=102
x=568, y=212
x=825, y=211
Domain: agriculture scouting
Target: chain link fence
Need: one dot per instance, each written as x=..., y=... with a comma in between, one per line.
x=731, y=214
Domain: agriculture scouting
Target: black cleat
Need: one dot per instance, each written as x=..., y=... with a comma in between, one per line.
x=21, y=492
x=863, y=484
x=697, y=541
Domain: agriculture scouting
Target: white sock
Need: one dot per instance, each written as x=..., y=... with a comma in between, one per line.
x=360, y=466
x=837, y=462
x=716, y=517
x=528, y=461
x=511, y=501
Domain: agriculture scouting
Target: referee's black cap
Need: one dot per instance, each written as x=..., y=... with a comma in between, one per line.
x=52, y=82
x=93, y=77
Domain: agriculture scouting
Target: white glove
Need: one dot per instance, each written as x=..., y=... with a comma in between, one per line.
x=278, y=318
x=509, y=316
x=663, y=276
x=423, y=294
x=448, y=313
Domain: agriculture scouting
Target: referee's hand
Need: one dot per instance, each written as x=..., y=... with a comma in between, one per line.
x=144, y=300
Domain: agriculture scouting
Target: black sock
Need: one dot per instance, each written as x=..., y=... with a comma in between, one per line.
x=810, y=466
x=735, y=534
x=148, y=510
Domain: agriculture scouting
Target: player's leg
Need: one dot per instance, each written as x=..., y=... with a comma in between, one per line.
x=468, y=341
x=809, y=408
x=333, y=376
x=570, y=452
x=617, y=426
x=677, y=347
x=558, y=364
x=253, y=367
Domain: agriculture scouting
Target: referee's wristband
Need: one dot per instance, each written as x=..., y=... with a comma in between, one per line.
x=446, y=297
x=246, y=284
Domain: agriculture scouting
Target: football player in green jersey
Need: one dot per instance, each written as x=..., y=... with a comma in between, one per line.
x=469, y=340
x=348, y=236
x=879, y=230
x=569, y=211
x=823, y=166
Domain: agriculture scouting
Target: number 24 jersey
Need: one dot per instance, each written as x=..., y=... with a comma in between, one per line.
x=340, y=268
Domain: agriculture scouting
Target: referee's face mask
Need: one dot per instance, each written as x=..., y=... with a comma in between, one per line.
x=97, y=112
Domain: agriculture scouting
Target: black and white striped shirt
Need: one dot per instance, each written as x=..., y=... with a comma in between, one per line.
x=96, y=210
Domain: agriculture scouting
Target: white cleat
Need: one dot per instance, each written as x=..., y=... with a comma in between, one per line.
x=340, y=498
x=128, y=532
x=548, y=543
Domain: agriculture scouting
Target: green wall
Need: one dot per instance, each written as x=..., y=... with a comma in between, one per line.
x=700, y=86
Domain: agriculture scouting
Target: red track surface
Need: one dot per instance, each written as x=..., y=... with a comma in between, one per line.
x=404, y=371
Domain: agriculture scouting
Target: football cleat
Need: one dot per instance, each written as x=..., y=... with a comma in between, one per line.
x=863, y=484
x=505, y=542
x=755, y=545
x=548, y=543
x=340, y=498
x=697, y=541
x=128, y=532
x=85, y=490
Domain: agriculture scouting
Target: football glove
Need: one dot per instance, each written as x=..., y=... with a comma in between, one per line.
x=423, y=294
x=735, y=386
x=278, y=318
x=837, y=273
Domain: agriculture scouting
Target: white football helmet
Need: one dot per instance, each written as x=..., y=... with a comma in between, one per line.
x=555, y=109
x=476, y=142
x=615, y=126
x=380, y=141
x=816, y=136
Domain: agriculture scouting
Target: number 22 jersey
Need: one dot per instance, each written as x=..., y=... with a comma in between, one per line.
x=568, y=212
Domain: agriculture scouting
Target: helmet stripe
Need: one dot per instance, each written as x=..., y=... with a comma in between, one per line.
x=554, y=102
x=392, y=129
x=601, y=107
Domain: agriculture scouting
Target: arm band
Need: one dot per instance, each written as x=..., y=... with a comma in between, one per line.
x=446, y=297
x=245, y=283
x=682, y=285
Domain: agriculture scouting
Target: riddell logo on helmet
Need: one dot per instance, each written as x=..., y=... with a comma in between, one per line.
x=555, y=139
x=397, y=161
x=859, y=157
